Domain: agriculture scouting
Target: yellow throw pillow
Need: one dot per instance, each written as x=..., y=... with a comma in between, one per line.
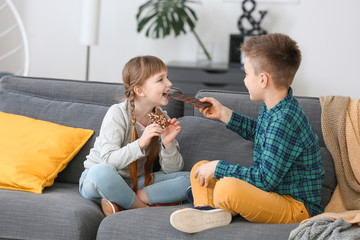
x=33, y=152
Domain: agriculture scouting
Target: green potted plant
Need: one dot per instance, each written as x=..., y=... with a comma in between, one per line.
x=161, y=17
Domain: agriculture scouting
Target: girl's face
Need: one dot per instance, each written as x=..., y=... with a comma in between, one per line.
x=156, y=89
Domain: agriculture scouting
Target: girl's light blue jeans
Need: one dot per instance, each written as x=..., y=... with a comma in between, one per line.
x=103, y=181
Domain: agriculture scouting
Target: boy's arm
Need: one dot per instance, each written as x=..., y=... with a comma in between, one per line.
x=216, y=110
x=281, y=148
x=242, y=125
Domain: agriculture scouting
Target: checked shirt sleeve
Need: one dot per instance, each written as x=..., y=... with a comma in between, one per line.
x=242, y=125
x=274, y=153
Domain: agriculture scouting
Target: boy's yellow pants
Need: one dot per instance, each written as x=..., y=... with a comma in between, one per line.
x=239, y=197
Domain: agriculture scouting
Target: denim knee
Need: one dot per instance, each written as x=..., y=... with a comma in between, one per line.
x=101, y=172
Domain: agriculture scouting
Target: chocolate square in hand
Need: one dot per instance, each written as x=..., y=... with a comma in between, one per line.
x=159, y=118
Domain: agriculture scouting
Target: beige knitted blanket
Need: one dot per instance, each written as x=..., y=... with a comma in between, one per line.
x=340, y=121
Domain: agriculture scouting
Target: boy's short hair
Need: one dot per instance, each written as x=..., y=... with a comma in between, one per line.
x=277, y=54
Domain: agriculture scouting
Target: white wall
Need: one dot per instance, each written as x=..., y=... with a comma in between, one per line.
x=327, y=31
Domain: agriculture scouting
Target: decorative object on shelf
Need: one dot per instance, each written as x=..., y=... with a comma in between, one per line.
x=89, y=31
x=234, y=50
x=14, y=46
x=256, y=29
x=236, y=58
x=163, y=16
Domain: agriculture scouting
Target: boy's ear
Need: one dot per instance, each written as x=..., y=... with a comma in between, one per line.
x=138, y=91
x=264, y=79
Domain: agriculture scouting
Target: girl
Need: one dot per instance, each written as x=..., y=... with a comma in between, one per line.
x=118, y=171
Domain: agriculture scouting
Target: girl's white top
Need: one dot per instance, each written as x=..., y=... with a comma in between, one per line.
x=113, y=145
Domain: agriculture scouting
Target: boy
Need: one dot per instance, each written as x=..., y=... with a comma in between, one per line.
x=284, y=183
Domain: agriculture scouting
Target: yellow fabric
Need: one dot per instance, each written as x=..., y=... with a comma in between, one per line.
x=239, y=197
x=340, y=121
x=33, y=152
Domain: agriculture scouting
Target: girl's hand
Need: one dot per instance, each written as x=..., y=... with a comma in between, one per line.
x=170, y=132
x=152, y=130
x=216, y=111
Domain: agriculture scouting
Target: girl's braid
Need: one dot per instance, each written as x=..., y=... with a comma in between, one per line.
x=132, y=106
x=133, y=166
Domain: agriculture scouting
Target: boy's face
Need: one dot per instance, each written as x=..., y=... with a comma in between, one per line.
x=252, y=81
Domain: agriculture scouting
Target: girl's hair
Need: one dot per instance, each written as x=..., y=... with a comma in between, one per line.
x=276, y=54
x=136, y=71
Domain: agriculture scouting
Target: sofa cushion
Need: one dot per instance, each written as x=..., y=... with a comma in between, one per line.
x=59, y=213
x=206, y=139
x=140, y=224
x=71, y=103
x=33, y=152
x=4, y=74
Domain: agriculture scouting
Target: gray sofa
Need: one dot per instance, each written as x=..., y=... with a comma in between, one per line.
x=61, y=213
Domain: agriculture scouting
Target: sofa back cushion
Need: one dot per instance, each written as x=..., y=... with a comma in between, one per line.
x=79, y=104
x=205, y=139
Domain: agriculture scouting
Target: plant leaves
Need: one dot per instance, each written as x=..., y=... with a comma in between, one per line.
x=175, y=25
x=144, y=21
x=192, y=12
x=160, y=17
x=185, y=17
x=142, y=7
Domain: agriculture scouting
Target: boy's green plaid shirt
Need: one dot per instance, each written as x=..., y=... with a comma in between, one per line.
x=287, y=158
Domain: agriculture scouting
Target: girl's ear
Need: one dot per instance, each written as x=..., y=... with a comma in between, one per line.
x=138, y=91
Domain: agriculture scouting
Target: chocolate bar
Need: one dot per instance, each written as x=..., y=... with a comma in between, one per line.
x=159, y=118
x=190, y=100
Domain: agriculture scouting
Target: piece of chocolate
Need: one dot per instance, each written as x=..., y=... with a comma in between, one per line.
x=159, y=118
x=190, y=100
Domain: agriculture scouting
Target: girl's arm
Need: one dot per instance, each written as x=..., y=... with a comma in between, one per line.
x=170, y=158
x=113, y=142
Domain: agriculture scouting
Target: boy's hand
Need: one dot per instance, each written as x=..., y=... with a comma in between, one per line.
x=170, y=132
x=205, y=173
x=216, y=111
x=152, y=130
